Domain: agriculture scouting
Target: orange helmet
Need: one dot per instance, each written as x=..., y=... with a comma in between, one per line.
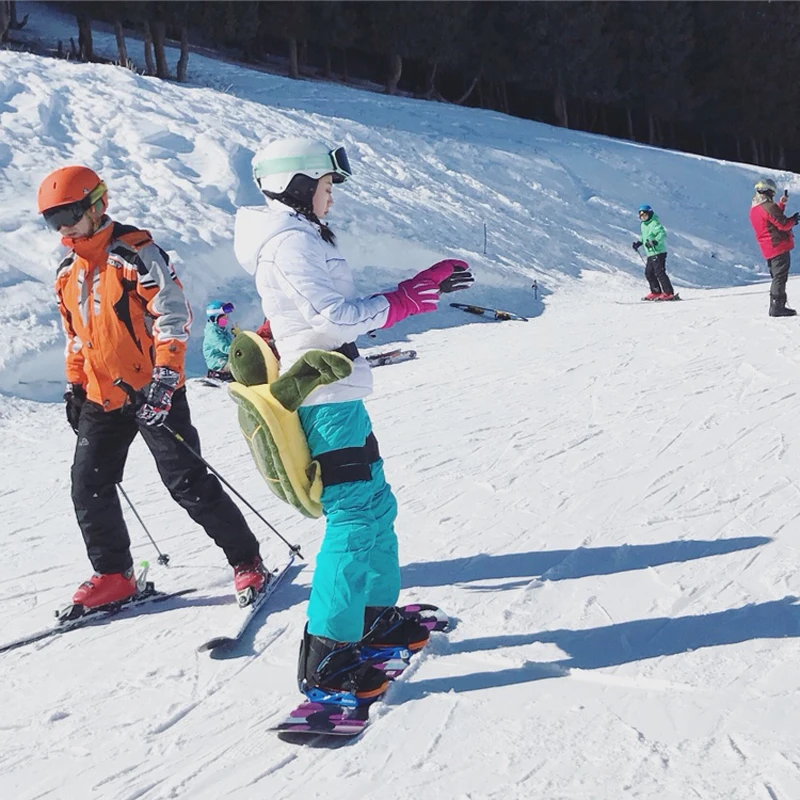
x=77, y=189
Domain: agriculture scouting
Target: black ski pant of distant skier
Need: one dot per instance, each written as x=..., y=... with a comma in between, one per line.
x=656, y=273
x=779, y=270
x=104, y=438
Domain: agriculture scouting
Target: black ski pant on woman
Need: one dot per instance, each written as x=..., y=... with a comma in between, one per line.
x=779, y=270
x=656, y=273
x=104, y=438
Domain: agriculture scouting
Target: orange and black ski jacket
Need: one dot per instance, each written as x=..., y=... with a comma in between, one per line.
x=124, y=312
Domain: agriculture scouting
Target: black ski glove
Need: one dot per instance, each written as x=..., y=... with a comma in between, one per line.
x=637, y=244
x=158, y=397
x=460, y=279
x=795, y=217
x=74, y=397
x=651, y=243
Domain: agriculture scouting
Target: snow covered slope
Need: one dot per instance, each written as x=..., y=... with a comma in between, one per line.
x=428, y=178
x=605, y=498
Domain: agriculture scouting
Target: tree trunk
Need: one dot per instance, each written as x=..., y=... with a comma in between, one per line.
x=85, y=48
x=149, y=65
x=294, y=67
x=464, y=97
x=430, y=82
x=183, y=61
x=159, y=28
x=122, y=48
x=504, y=97
x=328, y=69
x=345, y=73
x=15, y=24
x=395, y=71
x=560, y=108
x=5, y=20
x=302, y=55
x=631, y=132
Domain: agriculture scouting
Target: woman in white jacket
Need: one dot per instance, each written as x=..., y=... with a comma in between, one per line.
x=308, y=294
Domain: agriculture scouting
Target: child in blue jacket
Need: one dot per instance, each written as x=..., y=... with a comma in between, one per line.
x=217, y=340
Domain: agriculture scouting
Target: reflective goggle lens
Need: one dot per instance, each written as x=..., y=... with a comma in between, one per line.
x=341, y=164
x=66, y=216
x=227, y=308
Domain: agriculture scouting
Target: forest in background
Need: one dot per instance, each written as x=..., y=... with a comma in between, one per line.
x=714, y=78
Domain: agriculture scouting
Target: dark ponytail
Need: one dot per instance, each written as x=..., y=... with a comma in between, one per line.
x=299, y=195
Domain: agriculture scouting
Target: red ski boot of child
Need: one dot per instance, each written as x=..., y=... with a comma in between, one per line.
x=249, y=579
x=652, y=296
x=100, y=590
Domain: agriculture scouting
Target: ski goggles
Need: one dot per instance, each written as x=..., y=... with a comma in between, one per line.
x=71, y=213
x=227, y=308
x=334, y=162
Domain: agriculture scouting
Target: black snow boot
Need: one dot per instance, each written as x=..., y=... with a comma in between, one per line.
x=388, y=627
x=777, y=307
x=329, y=667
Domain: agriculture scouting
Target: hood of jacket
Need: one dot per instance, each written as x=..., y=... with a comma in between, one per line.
x=257, y=225
x=761, y=199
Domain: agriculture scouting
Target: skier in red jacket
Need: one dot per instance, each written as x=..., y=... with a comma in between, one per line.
x=774, y=234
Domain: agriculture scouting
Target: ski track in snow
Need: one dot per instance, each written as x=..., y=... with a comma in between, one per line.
x=604, y=499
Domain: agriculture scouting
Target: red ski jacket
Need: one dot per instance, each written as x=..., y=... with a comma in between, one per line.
x=773, y=229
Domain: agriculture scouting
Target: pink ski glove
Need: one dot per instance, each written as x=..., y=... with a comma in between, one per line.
x=417, y=295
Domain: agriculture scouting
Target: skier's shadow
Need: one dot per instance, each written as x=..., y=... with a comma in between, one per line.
x=612, y=645
x=558, y=565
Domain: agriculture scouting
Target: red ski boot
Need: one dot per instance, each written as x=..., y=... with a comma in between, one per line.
x=249, y=579
x=652, y=296
x=100, y=590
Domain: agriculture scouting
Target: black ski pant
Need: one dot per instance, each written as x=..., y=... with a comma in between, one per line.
x=656, y=273
x=779, y=270
x=104, y=438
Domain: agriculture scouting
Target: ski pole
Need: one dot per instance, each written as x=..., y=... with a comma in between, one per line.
x=135, y=399
x=642, y=256
x=163, y=558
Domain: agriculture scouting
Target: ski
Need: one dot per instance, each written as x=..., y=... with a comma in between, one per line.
x=494, y=313
x=391, y=357
x=76, y=616
x=350, y=719
x=249, y=613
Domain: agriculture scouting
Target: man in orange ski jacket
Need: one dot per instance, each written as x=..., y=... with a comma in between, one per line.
x=125, y=316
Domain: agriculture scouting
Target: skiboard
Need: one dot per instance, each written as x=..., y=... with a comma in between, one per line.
x=313, y=719
x=249, y=612
x=659, y=300
x=76, y=616
x=215, y=382
x=494, y=313
x=391, y=357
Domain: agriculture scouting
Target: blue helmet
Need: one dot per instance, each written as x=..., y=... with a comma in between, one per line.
x=646, y=208
x=216, y=308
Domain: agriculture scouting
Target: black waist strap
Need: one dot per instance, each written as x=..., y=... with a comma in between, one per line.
x=350, y=464
x=348, y=349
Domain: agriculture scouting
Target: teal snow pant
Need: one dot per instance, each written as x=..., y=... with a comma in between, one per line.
x=357, y=564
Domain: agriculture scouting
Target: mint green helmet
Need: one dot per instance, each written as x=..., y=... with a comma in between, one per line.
x=277, y=163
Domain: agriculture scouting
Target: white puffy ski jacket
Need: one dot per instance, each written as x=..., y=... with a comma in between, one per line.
x=307, y=293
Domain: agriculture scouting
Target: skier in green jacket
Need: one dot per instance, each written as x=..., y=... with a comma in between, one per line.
x=654, y=239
